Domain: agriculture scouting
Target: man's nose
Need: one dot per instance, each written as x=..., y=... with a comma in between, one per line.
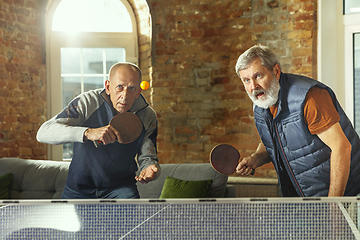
x=125, y=92
x=253, y=85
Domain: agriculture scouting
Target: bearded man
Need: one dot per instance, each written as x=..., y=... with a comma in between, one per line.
x=303, y=129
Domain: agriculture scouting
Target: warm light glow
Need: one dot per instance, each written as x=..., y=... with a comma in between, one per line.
x=91, y=16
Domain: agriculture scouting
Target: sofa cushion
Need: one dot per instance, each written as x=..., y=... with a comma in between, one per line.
x=177, y=188
x=41, y=179
x=5, y=181
x=35, y=179
x=188, y=172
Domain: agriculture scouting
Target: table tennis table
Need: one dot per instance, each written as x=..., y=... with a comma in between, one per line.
x=233, y=218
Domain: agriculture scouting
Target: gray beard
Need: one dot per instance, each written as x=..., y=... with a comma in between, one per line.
x=270, y=97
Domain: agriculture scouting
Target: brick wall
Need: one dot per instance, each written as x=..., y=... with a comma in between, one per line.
x=197, y=95
x=143, y=18
x=22, y=77
x=189, y=60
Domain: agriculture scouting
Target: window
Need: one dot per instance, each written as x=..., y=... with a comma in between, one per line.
x=91, y=16
x=84, y=69
x=351, y=6
x=84, y=39
x=351, y=26
x=338, y=52
x=356, y=79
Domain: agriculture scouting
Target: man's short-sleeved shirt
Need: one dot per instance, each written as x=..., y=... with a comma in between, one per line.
x=319, y=110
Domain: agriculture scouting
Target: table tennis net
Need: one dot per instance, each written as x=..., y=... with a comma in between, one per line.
x=273, y=218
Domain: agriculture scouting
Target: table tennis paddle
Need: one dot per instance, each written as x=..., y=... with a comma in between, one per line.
x=224, y=158
x=128, y=125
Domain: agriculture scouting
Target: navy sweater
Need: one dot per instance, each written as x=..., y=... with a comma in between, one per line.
x=108, y=166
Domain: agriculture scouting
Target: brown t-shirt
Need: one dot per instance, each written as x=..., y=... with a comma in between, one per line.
x=319, y=110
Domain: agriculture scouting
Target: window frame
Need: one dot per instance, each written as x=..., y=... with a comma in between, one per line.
x=55, y=40
x=351, y=26
x=335, y=53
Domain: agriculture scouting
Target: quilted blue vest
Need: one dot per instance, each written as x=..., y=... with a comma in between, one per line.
x=287, y=138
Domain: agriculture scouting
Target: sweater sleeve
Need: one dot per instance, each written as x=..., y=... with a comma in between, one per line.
x=148, y=151
x=67, y=126
x=56, y=131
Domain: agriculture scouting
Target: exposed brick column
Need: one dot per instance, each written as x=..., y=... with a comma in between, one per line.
x=144, y=29
x=22, y=78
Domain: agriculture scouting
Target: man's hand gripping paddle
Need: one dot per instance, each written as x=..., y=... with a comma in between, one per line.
x=128, y=125
x=224, y=158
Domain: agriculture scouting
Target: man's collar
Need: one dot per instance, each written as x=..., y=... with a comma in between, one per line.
x=281, y=92
x=140, y=103
x=107, y=99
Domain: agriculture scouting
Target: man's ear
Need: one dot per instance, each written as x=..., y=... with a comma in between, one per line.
x=107, y=87
x=277, y=71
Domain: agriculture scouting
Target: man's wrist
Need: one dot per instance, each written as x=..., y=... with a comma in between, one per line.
x=85, y=135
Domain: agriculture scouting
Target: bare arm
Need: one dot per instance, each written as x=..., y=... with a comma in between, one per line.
x=340, y=157
x=257, y=159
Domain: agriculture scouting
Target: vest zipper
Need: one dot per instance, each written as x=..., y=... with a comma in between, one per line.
x=286, y=161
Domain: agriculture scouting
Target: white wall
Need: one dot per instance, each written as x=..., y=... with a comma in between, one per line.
x=330, y=46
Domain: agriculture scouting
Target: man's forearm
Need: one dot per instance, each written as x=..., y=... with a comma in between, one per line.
x=340, y=146
x=339, y=174
x=261, y=154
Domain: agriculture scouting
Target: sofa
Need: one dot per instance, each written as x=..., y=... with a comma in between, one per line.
x=44, y=179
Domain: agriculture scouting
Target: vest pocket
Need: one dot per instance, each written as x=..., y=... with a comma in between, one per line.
x=296, y=133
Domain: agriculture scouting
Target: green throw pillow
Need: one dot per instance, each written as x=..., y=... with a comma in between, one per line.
x=176, y=188
x=5, y=181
